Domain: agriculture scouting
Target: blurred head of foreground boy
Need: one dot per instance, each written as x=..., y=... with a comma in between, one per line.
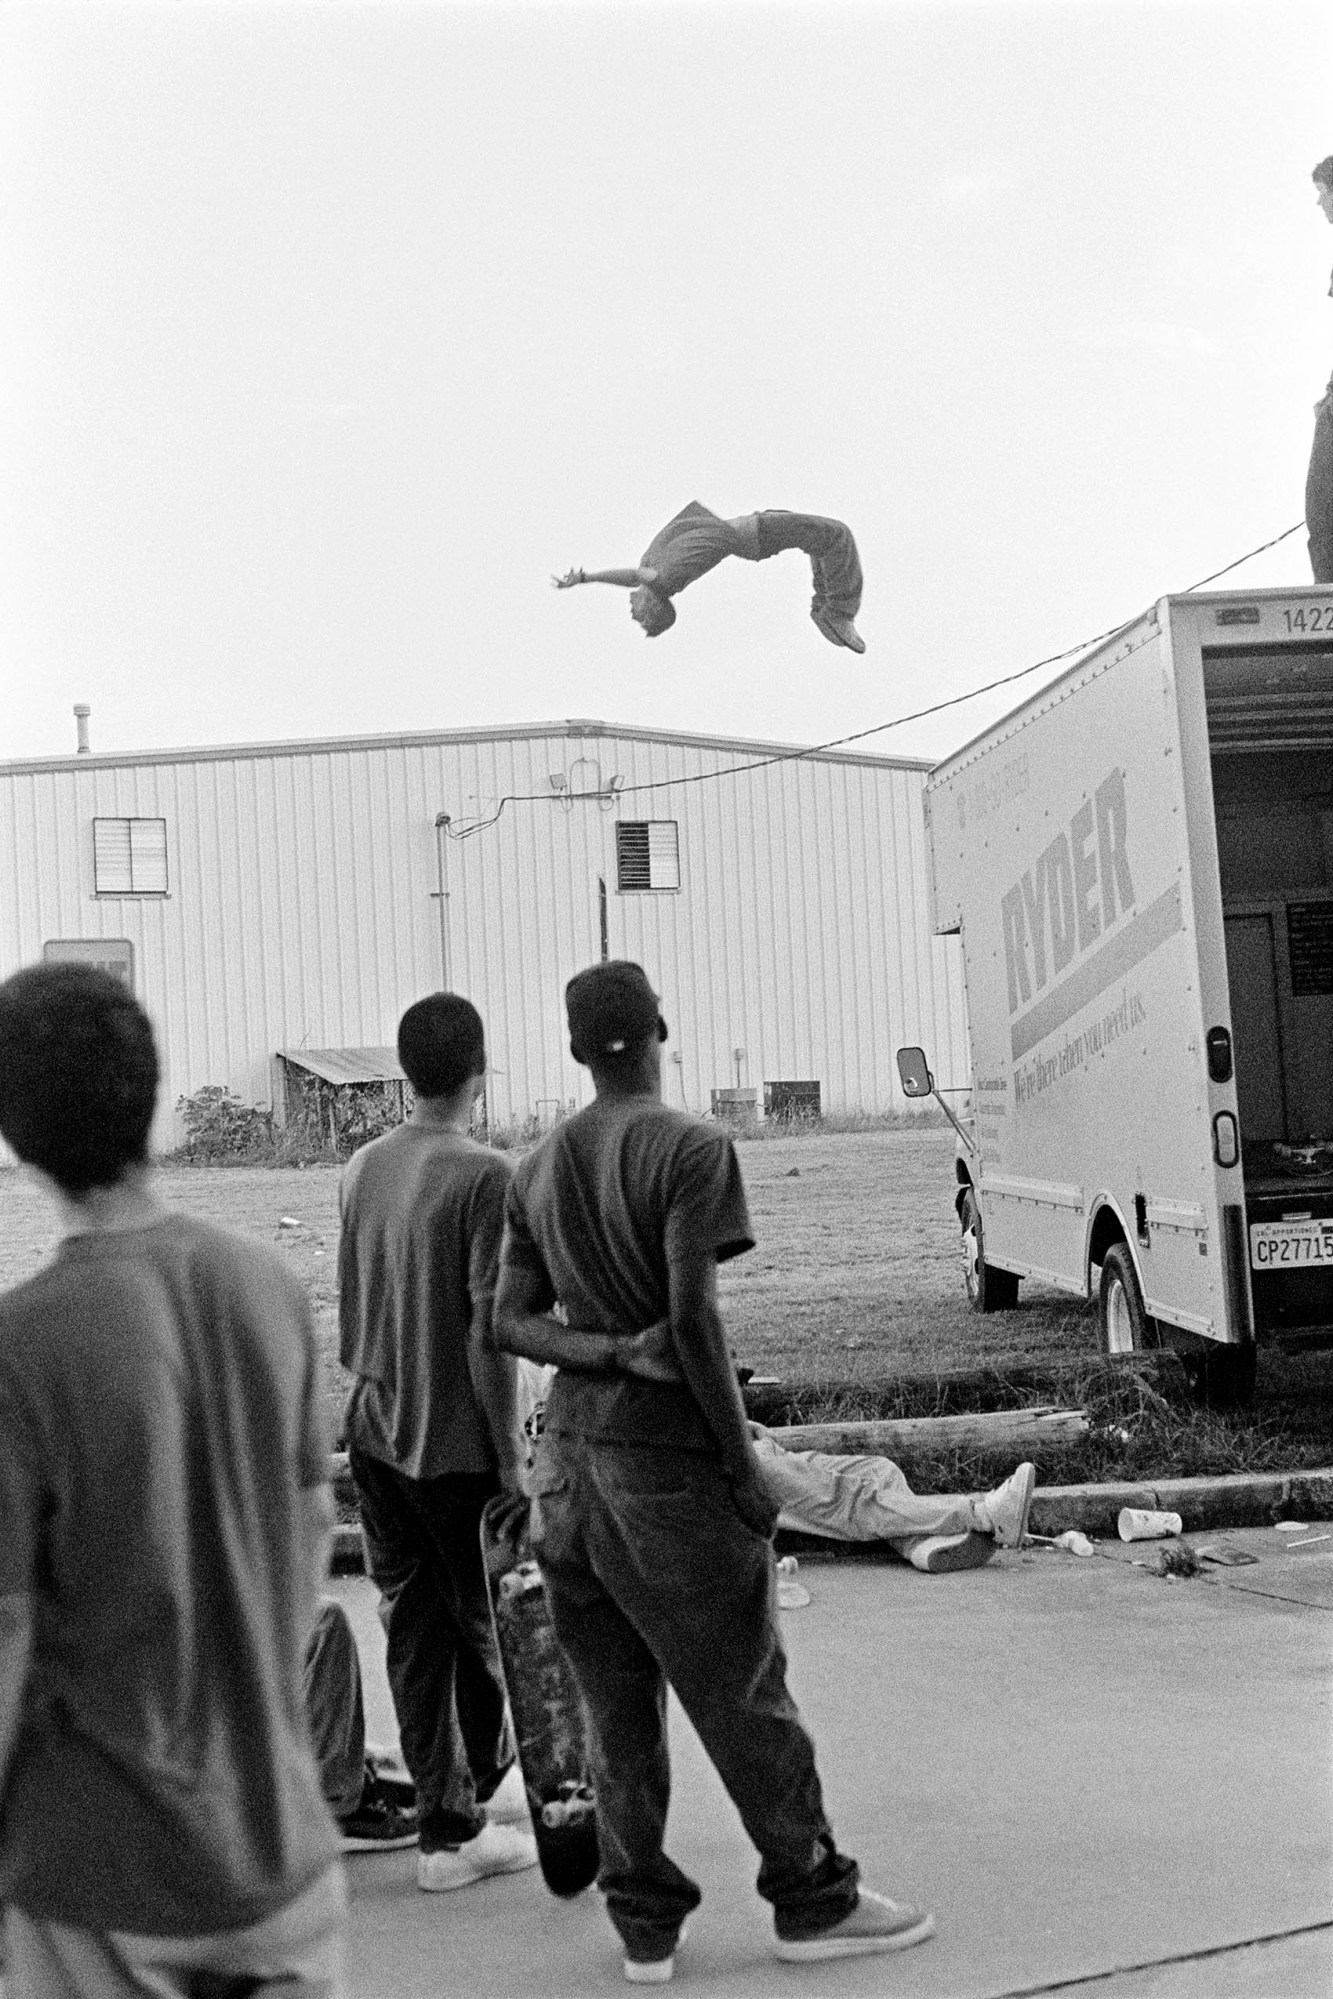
x=651, y=1516
x=163, y=1510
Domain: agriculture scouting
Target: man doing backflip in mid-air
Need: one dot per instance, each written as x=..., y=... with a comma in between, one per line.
x=695, y=541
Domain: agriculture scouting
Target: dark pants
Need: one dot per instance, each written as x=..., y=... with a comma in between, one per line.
x=424, y=1555
x=335, y=1709
x=831, y=549
x=1319, y=492
x=652, y=1577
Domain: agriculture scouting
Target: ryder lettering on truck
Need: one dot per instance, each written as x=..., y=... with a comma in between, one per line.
x=1069, y=895
x=1055, y=919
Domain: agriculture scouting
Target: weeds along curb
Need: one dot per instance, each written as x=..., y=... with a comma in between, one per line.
x=1247, y=1499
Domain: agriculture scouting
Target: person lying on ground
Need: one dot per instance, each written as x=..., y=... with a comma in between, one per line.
x=865, y=1498
x=695, y=540
x=850, y=1497
x=651, y=1521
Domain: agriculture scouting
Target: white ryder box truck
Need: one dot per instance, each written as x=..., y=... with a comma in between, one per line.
x=1140, y=864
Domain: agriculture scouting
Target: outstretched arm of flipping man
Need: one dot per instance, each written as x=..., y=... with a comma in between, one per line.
x=624, y=579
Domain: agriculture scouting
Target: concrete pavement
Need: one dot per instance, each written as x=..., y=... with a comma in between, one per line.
x=1101, y=1781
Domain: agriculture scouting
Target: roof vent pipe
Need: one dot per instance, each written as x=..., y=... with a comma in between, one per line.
x=81, y=713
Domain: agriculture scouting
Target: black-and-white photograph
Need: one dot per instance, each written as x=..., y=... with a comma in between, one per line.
x=666, y=998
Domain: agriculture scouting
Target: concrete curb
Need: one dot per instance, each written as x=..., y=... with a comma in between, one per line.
x=1248, y=1499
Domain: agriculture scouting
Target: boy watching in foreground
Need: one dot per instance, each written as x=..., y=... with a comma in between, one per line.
x=651, y=1518
x=163, y=1516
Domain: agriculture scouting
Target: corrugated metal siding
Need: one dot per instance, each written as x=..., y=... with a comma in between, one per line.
x=303, y=910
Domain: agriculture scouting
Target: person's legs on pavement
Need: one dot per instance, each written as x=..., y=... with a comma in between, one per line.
x=852, y=1498
x=424, y=1555
x=335, y=1710
x=373, y=1813
x=698, y=1585
x=452, y=1508
x=421, y=1649
x=624, y=1691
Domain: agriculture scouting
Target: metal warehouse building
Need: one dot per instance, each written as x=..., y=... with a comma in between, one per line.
x=295, y=897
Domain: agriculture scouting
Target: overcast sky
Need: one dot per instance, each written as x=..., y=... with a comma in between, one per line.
x=327, y=332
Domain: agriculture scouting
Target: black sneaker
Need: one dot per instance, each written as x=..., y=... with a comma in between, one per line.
x=378, y=1824
x=390, y=1779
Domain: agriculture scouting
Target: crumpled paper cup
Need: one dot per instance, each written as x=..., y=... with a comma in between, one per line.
x=1138, y=1523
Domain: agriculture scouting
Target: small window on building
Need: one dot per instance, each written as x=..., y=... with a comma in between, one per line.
x=129, y=856
x=647, y=855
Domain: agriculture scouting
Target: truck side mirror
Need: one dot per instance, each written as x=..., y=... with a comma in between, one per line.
x=914, y=1072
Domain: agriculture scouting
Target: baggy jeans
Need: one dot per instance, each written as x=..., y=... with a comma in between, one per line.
x=832, y=552
x=857, y=1498
x=653, y=1578
x=1319, y=492
x=424, y=1555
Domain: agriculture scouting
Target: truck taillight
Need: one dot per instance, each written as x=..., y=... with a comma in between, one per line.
x=1226, y=1139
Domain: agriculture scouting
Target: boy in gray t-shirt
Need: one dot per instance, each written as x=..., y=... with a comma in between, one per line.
x=164, y=1509
x=432, y=1434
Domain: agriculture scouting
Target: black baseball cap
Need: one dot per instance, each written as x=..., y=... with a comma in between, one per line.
x=611, y=1008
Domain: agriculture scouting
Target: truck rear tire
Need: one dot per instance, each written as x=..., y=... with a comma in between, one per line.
x=1124, y=1325
x=988, y=1289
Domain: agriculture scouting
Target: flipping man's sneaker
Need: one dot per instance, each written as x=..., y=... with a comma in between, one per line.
x=497, y=1849
x=1005, y=1511
x=944, y=1554
x=380, y=1822
x=876, y=1924
x=839, y=631
x=654, y=1970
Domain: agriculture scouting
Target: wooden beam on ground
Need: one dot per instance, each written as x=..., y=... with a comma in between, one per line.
x=1019, y=1430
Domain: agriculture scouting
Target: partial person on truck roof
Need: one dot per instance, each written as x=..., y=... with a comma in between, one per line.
x=1319, y=479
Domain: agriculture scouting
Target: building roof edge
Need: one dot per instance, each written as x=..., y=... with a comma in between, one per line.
x=578, y=728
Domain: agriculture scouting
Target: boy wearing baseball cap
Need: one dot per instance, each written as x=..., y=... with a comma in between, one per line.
x=651, y=1518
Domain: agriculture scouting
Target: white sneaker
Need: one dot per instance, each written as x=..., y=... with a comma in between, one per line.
x=508, y=1805
x=1005, y=1511
x=943, y=1554
x=875, y=1924
x=497, y=1849
x=654, y=1970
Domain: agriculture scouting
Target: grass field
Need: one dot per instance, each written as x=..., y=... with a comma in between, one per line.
x=854, y=1297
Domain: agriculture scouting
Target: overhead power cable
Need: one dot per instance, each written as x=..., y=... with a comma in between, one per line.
x=480, y=824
